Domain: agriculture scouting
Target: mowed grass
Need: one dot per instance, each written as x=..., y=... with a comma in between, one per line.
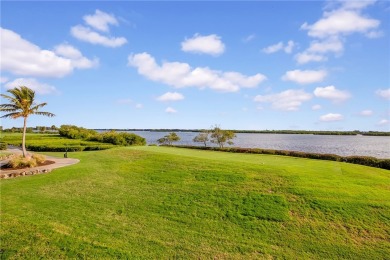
x=161, y=202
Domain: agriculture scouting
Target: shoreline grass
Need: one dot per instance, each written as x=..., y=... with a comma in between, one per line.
x=163, y=202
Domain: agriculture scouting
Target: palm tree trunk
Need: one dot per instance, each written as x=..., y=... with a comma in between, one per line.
x=24, y=138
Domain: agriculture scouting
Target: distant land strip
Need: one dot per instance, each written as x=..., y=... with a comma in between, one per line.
x=356, y=132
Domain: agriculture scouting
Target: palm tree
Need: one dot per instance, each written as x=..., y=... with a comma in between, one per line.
x=22, y=105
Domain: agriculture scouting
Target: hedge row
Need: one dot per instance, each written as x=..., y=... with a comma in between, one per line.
x=111, y=137
x=76, y=148
x=362, y=160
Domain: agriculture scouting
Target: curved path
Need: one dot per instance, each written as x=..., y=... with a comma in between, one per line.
x=58, y=162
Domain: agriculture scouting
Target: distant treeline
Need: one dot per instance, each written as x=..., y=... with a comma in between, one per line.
x=356, y=132
x=362, y=160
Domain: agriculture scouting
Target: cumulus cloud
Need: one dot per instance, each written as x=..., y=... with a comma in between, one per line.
x=384, y=122
x=334, y=27
x=170, y=110
x=100, y=20
x=38, y=87
x=305, y=57
x=181, y=75
x=287, y=48
x=366, y=113
x=331, y=117
x=384, y=93
x=86, y=34
x=305, y=76
x=210, y=44
x=332, y=93
x=316, y=107
x=289, y=100
x=273, y=48
x=340, y=22
x=77, y=59
x=22, y=57
x=171, y=96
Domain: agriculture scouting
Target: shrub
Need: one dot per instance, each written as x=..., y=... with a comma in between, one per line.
x=39, y=158
x=3, y=146
x=20, y=162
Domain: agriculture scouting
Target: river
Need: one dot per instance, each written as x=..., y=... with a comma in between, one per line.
x=344, y=145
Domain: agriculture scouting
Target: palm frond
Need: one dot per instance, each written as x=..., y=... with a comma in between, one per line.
x=44, y=114
x=21, y=103
x=8, y=110
x=38, y=106
x=13, y=115
x=8, y=106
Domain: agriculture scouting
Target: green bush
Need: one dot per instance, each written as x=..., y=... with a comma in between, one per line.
x=3, y=146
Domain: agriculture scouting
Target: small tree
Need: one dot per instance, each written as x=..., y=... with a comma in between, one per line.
x=202, y=138
x=220, y=137
x=22, y=104
x=169, y=139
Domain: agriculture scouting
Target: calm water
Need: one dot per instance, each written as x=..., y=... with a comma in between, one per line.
x=376, y=146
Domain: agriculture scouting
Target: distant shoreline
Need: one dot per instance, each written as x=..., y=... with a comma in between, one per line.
x=364, y=133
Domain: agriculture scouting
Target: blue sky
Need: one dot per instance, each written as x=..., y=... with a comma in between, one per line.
x=316, y=65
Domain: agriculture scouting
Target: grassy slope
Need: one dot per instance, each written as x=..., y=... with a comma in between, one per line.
x=153, y=202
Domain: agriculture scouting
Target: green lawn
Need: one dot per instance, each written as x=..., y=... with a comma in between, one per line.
x=160, y=202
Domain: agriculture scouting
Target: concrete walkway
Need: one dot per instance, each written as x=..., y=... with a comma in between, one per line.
x=58, y=162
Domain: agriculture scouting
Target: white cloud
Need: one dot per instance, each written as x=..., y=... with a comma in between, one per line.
x=333, y=28
x=329, y=45
x=366, y=113
x=374, y=34
x=139, y=106
x=305, y=76
x=331, y=117
x=340, y=22
x=288, y=48
x=38, y=87
x=289, y=100
x=21, y=57
x=3, y=80
x=355, y=5
x=170, y=110
x=305, y=57
x=384, y=93
x=332, y=93
x=171, y=96
x=210, y=44
x=249, y=38
x=181, y=75
x=77, y=59
x=273, y=48
x=316, y=107
x=317, y=50
x=86, y=34
x=100, y=20
x=383, y=122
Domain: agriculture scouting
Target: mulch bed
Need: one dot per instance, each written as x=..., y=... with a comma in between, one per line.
x=7, y=168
